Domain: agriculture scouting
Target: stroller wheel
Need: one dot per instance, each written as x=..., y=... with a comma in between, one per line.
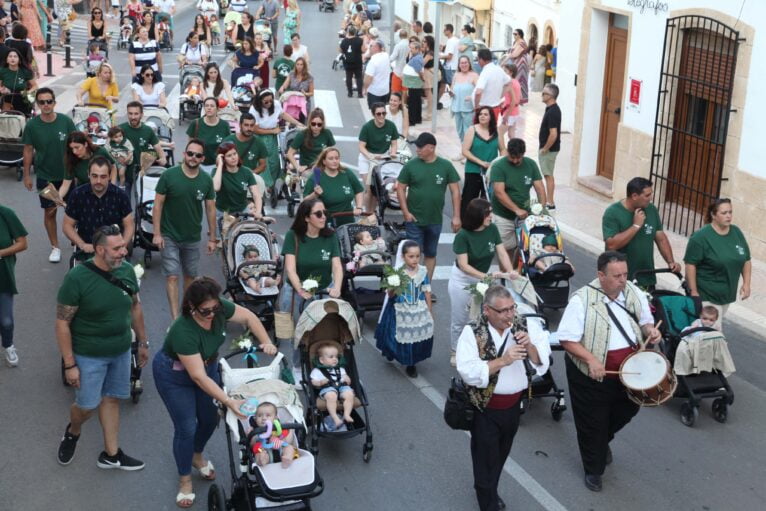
x=274, y=197
x=689, y=414
x=367, y=453
x=720, y=410
x=147, y=258
x=290, y=209
x=216, y=499
x=557, y=411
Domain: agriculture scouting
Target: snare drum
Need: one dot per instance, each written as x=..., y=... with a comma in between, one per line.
x=648, y=378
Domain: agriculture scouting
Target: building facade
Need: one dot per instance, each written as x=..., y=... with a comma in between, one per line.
x=478, y=13
x=539, y=19
x=667, y=90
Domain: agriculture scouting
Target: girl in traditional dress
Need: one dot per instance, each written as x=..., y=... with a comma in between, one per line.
x=405, y=329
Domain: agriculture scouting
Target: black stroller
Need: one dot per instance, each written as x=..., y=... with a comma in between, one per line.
x=677, y=312
x=146, y=183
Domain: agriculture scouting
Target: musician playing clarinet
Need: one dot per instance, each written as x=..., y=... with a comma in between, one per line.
x=603, y=324
x=491, y=354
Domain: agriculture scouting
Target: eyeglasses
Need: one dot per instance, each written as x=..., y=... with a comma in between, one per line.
x=516, y=34
x=109, y=230
x=45, y=101
x=318, y=124
x=209, y=312
x=320, y=214
x=507, y=310
x=380, y=114
x=193, y=154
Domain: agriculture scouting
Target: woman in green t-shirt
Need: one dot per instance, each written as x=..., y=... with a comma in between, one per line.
x=186, y=374
x=15, y=79
x=340, y=190
x=476, y=245
x=231, y=182
x=481, y=147
x=716, y=256
x=211, y=129
x=310, y=142
x=78, y=153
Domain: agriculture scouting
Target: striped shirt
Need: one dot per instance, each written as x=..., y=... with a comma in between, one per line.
x=145, y=53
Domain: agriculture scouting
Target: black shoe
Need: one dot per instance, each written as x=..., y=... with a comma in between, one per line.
x=593, y=482
x=439, y=106
x=361, y=95
x=609, y=457
x=411, y=371
x=500, y=503
x=433, y=297
x=550, y=207
x=119, y=460
x=67, y=446
x=350, y=94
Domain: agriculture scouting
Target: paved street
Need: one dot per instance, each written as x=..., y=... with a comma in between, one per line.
x=418, y=462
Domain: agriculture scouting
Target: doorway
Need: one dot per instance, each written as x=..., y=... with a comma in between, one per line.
x=611, y=102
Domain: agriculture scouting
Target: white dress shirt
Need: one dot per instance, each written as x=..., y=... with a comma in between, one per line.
x=451, y=49
x=572, y=323
x=512, y=378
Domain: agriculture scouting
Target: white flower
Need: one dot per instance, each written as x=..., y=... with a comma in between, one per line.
x=245, y=344
x=537, y=208
x=310, y=284
x=394, y=281
x=481, y=288
x=139, y=271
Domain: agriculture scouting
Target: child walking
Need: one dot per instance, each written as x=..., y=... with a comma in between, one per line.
x=405, y=329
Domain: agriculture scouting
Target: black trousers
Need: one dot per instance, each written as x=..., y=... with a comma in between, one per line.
x=491, y=440
x=357, y=75
x=415, y=106
x=472, y=187
x=600, y=410
x=372, y=99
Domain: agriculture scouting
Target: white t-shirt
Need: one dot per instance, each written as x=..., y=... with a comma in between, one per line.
x=164, y=5
x=451, y=49
x=379, y=67
x=302, y=51
x=152, y=98
x=238, y=5
x=194, y=55
x=269, y=121
x=397, y=119
x=318, y=375
x=491, y=81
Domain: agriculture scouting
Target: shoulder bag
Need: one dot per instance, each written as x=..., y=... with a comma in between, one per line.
x=109, y=277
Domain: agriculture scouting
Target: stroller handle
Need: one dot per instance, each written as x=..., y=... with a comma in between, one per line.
x=266, y=219
x=245, y=264
x=658, y=270
x=350, y=213
x=233, y=354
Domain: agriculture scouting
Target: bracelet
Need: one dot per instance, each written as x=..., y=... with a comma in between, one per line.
x=637, y=226
x=143, y=344
x=67, y=368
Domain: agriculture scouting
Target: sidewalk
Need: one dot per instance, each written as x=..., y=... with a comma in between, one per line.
x=578, y=213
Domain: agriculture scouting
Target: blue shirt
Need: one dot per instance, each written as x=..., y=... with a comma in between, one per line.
x=416, y=62
x=91, y=212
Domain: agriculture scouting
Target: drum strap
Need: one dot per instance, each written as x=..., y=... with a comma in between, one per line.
x=620, y=327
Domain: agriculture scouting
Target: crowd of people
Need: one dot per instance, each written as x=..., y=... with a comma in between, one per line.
x=98, y=304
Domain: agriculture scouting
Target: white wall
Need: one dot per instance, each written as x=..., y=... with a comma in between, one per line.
x=567, y=61
x=594, y=85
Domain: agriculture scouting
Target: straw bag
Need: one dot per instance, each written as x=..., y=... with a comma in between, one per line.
x=284, y=327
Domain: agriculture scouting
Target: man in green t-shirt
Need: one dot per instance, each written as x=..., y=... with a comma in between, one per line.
x=177, y=219
x=283, y=66
x=13, y=239
x=378, y=139
x=632, y=226
x=427, y=177
x=143, y=139
x=250, y=148
x=98, y=304
x=512, y=178
x=44, y=141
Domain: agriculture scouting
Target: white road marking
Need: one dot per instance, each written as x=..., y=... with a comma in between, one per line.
x=346, y=138
x=328, y=101
x=172, y=104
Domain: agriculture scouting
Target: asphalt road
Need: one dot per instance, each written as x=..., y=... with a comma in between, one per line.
x=418, y=463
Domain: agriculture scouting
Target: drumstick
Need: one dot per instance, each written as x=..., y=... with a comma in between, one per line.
x=657, y=326
x=621, y=372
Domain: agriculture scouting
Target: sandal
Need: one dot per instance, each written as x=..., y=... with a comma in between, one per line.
x=185, y=497
x=207, y=472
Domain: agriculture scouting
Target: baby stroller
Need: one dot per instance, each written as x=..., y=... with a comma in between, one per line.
x=242, y=81
x=280, y=188
x=127, y=29
x=11, y=149
x=188, y=107
x=91, y=65
x=144, y=201
x=264, y=27
x=269, y=486
x=247, y=232
x=294, y=180
x=335, y=321
x=81, y=116
x=295, y=104
x=159, y=119
x=552, y=284
x=327, y=5
x=364, y=299
x=696, y=380
x=165, y=41
x=383, y=185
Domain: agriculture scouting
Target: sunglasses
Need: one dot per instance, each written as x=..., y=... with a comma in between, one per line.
x=209, y=312
x=320, y=214
x=45, y=101
x=318, y=124
x=193, y=154
x=507, y=310
x=148, y=74
x=380, y=114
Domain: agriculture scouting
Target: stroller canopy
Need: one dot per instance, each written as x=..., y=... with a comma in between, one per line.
x=328, y=319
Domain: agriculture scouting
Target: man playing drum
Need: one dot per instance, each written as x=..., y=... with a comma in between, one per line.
x=601, y=326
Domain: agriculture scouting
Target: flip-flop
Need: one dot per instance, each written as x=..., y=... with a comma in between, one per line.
x=207, y=472
x=183, y=497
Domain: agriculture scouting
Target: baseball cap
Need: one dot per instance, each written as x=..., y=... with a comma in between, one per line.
x=425, y=139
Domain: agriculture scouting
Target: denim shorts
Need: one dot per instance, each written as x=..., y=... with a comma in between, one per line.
x=427, y=236
x=102, y=377
x=180, y=258
x=343, y=388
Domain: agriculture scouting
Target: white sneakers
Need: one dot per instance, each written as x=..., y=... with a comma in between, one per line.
x=55, y=256
x=11, y=357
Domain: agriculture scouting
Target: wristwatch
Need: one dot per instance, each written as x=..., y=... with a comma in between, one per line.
x=143, y=344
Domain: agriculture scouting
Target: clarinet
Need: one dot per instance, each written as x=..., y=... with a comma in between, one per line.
x=520, y=325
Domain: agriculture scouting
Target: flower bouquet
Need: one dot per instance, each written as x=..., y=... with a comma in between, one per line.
x=311, y=284
x=244, y=342
x=139, y=271
x=535, y=208
x=52, y=194
x=477, y=291
x=394, y=281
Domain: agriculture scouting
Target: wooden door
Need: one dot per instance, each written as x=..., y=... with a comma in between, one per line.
x=611, y=104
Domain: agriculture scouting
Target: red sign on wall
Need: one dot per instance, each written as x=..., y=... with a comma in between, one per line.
x=635, y=91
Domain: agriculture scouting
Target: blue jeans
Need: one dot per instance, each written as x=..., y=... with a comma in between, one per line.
x=463, y=121
x=192, y=410
x=102, y=377
x=427, y=236
x=6, y=319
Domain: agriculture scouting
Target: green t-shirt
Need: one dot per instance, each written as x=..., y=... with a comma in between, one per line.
x=15, y=80
x=427, y=183
x=48, y=139
x=309, y=156
x=518, y=181
x=337, y=193
x=232, y=197
x=143, y=140
x=479, y=245
x=719, y=261
x=80, y=171
x=283, y=66
x=101, y=325
x=11, y=229
x=211, y=135
x=378, y=140
x=314, y=256
x=182, y=211
x=186, y=337
x=251, y=151
x=640, y=250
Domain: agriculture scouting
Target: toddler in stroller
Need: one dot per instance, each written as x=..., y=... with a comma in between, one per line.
x=276, y=441
x=256, y=276
x=333, y=383
x=95, y=57
x=127, y=26
x=97, y=130
x=367, y=249
x=550, y=246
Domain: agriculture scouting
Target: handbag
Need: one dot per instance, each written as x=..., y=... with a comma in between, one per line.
x=284, y=327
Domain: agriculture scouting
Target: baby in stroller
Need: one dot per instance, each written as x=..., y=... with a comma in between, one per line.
x=708, y=318
x=256, y=276
x=193, y=90
x=126, y=30
x=277, y=441
x=94, y=58
x=550, y=246
x=366, y=243
x=333, y=382
x=121, y=149
x=97, y=130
